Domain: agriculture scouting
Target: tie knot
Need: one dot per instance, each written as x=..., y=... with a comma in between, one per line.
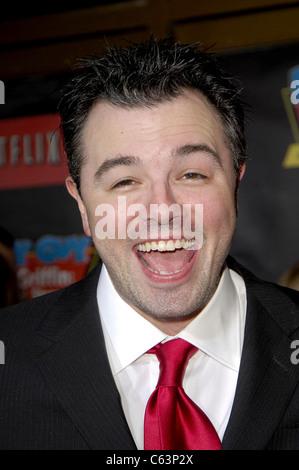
x=173, y=357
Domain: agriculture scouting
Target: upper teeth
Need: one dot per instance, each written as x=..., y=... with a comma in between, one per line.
x=165, y=245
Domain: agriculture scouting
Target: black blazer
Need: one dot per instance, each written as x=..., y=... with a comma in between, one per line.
x=57, y=390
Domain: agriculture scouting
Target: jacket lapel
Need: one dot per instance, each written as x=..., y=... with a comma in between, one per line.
x=76, y=366
x=267, y=377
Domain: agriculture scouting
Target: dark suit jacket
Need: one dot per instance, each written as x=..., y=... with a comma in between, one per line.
x=57, y=390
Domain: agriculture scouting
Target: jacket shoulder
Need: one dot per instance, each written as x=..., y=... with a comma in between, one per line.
x=25, y=316
x=291, y=293
x=282, y=303
x=28, y=314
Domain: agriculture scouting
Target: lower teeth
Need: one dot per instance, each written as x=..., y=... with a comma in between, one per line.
x=160, y=272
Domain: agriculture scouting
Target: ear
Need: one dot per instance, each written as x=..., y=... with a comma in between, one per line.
x=238, y=180
x=241, y=171
x=73, y=191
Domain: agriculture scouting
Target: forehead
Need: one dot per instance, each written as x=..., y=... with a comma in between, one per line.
x=188, y=116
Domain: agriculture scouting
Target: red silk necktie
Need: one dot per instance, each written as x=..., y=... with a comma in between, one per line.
x=172, y=420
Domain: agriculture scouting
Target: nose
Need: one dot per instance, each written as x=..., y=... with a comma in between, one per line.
x=161, y=192
x=163, y=210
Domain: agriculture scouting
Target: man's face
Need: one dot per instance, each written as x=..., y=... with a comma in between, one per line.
x=173, y=153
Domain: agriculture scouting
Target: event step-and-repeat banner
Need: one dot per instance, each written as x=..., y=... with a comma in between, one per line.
x=32, y=157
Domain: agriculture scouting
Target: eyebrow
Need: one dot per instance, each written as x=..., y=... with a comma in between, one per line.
x=129, y=160
x=189, y=149
x=119, y=160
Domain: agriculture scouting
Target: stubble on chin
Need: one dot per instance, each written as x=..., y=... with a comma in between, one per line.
x=166, y=303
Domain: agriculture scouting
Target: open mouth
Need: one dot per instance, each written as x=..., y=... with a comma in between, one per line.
x=166, y=257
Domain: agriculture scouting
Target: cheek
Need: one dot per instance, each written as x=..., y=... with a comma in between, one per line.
x=109, y=222
x=219, y=214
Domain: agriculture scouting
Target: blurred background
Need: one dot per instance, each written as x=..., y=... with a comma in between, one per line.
x=257, y=42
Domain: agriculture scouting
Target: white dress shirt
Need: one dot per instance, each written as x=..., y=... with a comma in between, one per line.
x=211, y=374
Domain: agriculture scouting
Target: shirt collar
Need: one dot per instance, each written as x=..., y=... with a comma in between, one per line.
x=217, y=331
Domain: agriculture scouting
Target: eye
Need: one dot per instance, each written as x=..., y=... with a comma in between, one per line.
x=192, y=175
x=123, y=183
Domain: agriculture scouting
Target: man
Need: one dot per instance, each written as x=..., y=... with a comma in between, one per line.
x=156, y=125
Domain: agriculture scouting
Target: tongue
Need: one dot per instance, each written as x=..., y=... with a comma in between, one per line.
x=167, y=261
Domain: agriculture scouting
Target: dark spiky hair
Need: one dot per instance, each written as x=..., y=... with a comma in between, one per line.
x=147, y=74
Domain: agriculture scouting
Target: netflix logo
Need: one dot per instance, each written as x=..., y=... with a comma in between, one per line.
x=31, y=152
x=33, y=149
